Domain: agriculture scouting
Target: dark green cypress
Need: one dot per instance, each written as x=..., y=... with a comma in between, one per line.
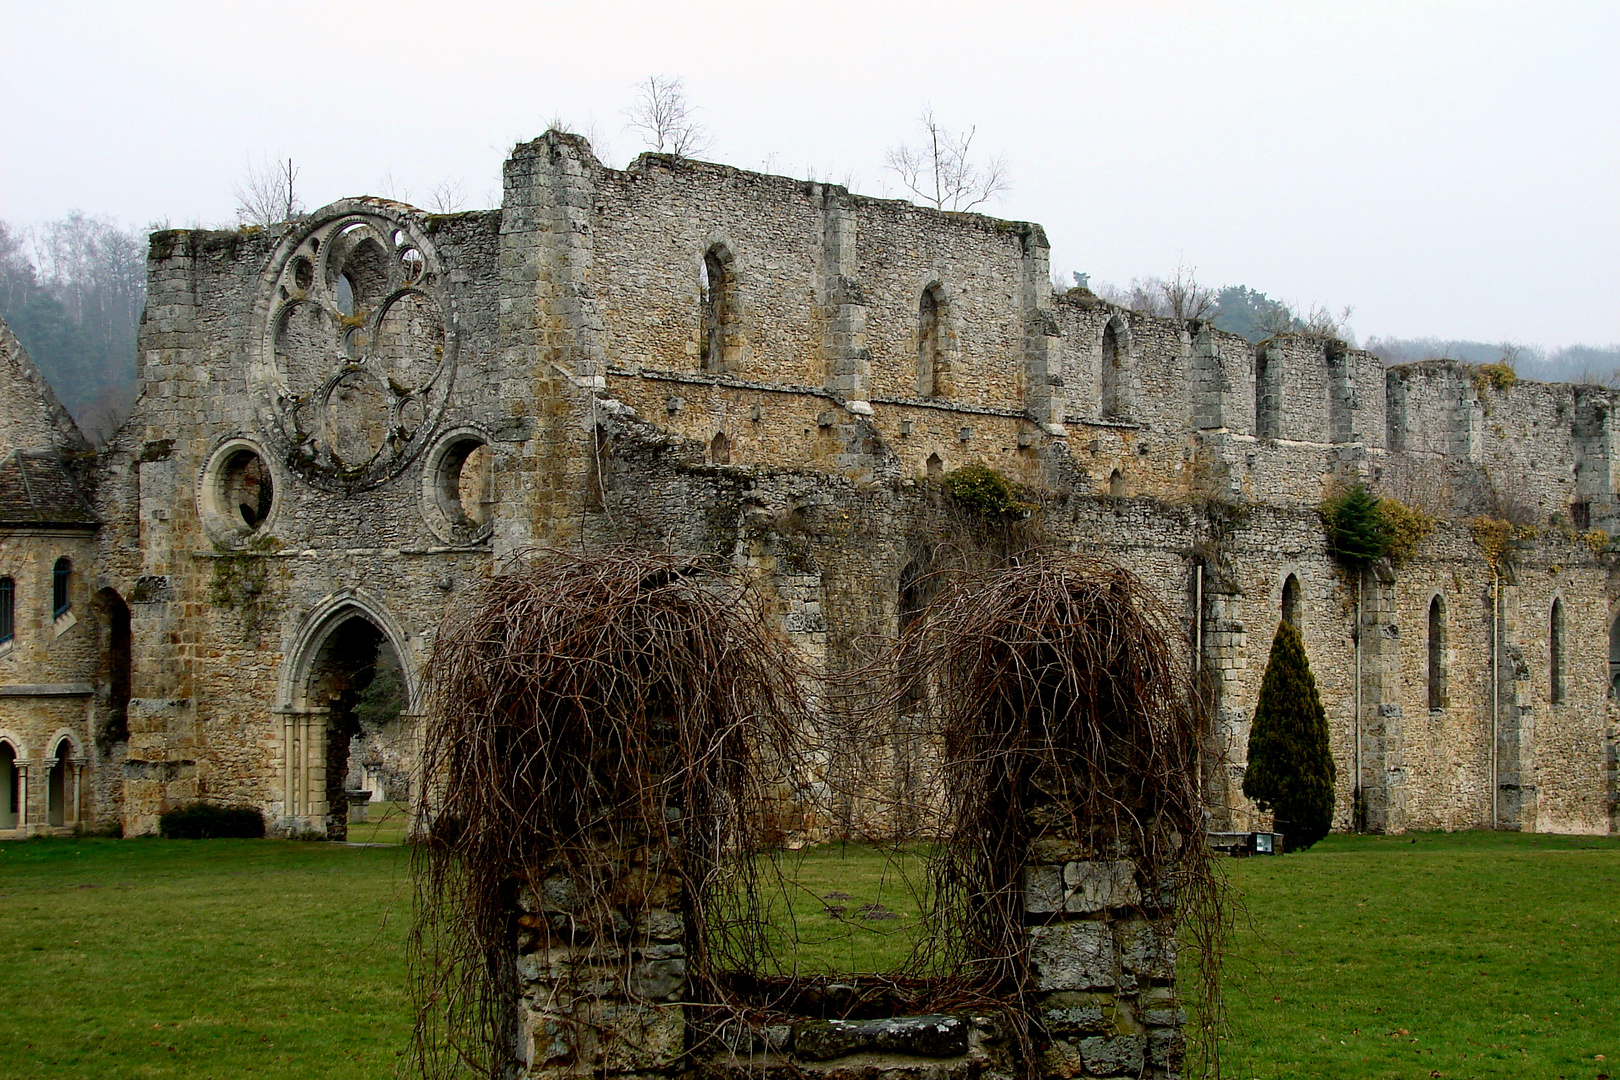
x=1290, y=769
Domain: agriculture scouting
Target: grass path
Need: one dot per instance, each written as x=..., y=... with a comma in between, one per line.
x=1460, y=956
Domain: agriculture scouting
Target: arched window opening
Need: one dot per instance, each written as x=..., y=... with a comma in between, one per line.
x=358, y=678
x=718, y=303
x=1614, y=657
x=933, y=379
x=61, y=576
x=1557, y=689
x=8, y=609
x=936, y=467
x=1437, y=655
x=720, y=449
x=913, y=583
x=59, y=801
x=10, y=787
x=1116, y=484
x=344, y=298
x=1113, y=372
x=114, y=723
x=1290, y=602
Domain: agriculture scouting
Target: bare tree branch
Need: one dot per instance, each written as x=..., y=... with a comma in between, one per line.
x=267, y=194
x=447, y=197
x=666, y=119
x=941, y=171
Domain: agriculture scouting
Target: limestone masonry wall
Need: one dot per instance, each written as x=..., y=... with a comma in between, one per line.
x=345, y=419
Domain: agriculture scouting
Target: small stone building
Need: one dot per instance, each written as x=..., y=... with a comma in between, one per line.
x=345, y=419
x=57, y=635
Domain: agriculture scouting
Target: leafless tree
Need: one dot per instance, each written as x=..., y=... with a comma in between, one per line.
x=1325, y=323
x=1184, y=297
x=941, y=171
x=267, y=195
x=447, y=197
x=666, y=120
x=1179, y=297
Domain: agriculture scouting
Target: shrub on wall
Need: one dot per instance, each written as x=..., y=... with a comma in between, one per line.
x=984, y=491
x=1290, y=770
x=1362, y=527
x=205, y=821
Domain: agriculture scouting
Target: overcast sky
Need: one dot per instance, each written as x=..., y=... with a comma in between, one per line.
x=1449, y=169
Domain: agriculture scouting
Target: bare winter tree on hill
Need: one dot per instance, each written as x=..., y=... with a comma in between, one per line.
x=940, y=170
x=666, y=120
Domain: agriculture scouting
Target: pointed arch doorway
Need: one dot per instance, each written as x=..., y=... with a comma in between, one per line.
x=348, y=732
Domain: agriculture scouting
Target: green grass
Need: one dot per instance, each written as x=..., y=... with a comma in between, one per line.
x=209, y=958
x=851, y=907
x=1498, y=954
x=385, y=823
x=1433, y=955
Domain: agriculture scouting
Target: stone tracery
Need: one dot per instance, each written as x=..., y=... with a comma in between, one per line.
x=358, y=345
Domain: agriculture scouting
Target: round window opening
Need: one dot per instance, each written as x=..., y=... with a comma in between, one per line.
x=246, y=488
x=461, y=487
x=239, y=491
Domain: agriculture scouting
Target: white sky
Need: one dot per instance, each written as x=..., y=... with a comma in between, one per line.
x=1447, y=168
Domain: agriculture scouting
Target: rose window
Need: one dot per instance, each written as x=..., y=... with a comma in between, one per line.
x=358, y=348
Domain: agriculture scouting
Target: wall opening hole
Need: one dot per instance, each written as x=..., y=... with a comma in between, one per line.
x=464, y=482
x=936, y=467
x=344, y=298
x=303, y=273
x=720, y=449
x=412, y=262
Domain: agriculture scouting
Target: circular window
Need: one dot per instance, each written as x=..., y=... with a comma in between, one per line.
x=238, y=491
x=458, y=486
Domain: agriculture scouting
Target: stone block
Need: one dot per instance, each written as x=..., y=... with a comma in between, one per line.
x=1078, y=888
x=1113, y=1055
x=1073, y=956
x=917, y=1036
x=1166, y=1047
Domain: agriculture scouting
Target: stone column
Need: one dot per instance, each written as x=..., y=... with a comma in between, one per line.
x=601, y=969
x=1102, y=966
x=1383, y=798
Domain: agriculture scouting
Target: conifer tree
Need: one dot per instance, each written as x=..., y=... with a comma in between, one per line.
x=1290, y=769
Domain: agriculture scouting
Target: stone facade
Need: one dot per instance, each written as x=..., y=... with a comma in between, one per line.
x=344, y=420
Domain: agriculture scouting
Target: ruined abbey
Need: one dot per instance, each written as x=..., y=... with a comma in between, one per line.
x=346, y=420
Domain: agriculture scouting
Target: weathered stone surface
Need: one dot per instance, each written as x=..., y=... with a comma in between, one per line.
x=1080, y=887
x=919, y=1036
x=1074, y=956
x=1113, y=1055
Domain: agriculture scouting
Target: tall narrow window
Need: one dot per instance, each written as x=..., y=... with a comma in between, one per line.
x=1614, y=657
x=717, y=303
x=61, y=575
x=932, y=377
x=1113, y=373
x=1556, y=689
x=1290, y=601
x=8, y=609
x=1437, y=654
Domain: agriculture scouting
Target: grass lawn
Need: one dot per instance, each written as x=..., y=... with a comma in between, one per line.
x=1468, y=955
x=205, y=958
x=1430, y=955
